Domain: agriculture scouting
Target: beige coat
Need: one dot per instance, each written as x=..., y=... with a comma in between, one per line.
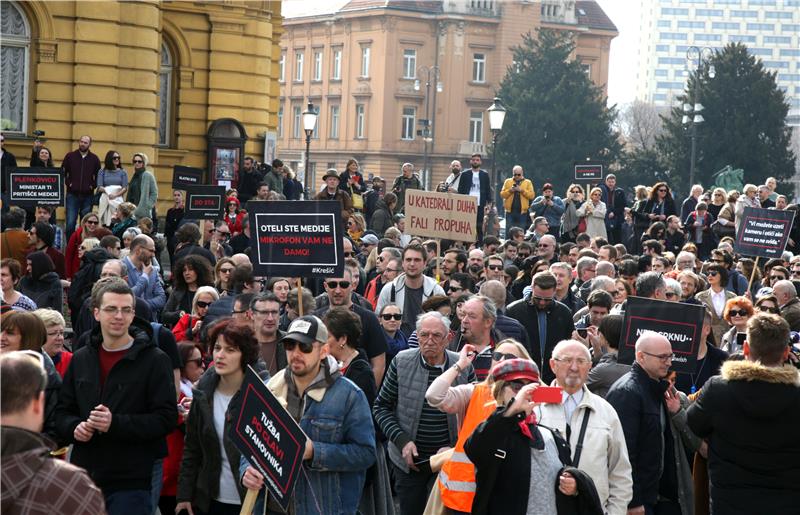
x=718, y=324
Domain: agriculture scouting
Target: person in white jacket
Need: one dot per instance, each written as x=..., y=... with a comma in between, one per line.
x=594, y=210
x=603, y=455
x=411, y=288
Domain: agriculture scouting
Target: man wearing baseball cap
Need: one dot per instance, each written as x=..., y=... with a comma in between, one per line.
x=314, y=392
x=549, y=206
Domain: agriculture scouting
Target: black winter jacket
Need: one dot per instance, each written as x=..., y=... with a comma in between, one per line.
x=139, y=392
x=381, y=218
x=46, y=292
x=201, y=466
x=639, y=400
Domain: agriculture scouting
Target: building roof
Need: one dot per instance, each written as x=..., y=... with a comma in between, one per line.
x=427, y=6
x=590, y=14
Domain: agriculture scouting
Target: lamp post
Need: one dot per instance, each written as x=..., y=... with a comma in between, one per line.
x=431, y=75
x=691, y=112
x=309, y=124
x=497, y=115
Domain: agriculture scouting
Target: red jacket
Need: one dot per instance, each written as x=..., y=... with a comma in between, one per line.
x=65, y=357
x=186, y=322
x=373, y=289
x=72, y=263
x=235, y=224
x=172, y=463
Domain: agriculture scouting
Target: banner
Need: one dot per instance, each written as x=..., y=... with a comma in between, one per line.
x=296, y=239
x=448, y=216
x=763, y=232
x=680, y=323
x=31, y=186
x=593, y=173
x=204, y=202
x=185, y=176
x=269, y=438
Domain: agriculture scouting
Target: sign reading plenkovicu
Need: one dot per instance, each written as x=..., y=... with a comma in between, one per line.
x=763, y=232
x=269, y=438
x=296, y=239
x=31, y=186
x=678, y=322
x=441, y=215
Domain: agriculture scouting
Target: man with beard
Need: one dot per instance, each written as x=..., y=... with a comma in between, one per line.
x=477, y=329
x=477, y=183
x=143, y=275
x=454, y=261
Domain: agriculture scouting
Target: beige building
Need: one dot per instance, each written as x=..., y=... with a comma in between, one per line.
x=374, y=68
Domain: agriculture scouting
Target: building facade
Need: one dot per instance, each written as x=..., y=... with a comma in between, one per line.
x=769, y=28
x=395, y=81
x=146, y=76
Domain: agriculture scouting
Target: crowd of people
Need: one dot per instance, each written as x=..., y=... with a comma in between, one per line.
x=431, y=377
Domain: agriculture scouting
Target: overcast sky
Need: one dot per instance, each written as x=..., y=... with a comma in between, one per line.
x=624, y=14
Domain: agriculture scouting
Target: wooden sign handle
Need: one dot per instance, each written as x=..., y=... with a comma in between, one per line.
x=249, y=502
x=753, y=274
x=300, y=296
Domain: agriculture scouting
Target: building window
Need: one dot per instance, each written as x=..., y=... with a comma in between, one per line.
x=409, y=122
x=476, y=126
x=478, y=68
x=165, y=74
x=297, y=122
x=334, y=130
x=282, y=67
x=318, y=65
x=280, y=121
x=298, y=66
x=409, y=63
x=587, y=69
x=365, y=61
x=14, y=70
x=360, y=121
x=336, y=72
x=315, y=134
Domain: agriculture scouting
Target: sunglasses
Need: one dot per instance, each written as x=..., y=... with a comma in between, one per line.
x=225, y=270
x=305, y=348
x=203, y=304
x=738, y=313
x=769, y=309
x=137, y=161
x=515, y=386
x=495, y=267
x=115, y=157
x=338, y=284
x=196, y=361
x=349, y=254
x=662, y=191
x=501, y=356
x=776, y=278
x=454, y=288
x=712, y=273
x=92, y=222
x=389, y=316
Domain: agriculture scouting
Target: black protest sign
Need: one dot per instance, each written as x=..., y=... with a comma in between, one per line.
x=186, y=176
x=680, y=323
x=763, y=232
x=589, y=172
x=32, y=186
x=296, y=239
x=205, y=203
x=269, y=438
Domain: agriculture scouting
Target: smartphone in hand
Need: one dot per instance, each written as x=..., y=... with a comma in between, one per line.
x=547, y=395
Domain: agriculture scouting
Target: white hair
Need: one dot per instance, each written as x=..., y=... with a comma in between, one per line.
x=563, y=344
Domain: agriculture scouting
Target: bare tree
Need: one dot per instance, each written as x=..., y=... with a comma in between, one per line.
x=640, y=123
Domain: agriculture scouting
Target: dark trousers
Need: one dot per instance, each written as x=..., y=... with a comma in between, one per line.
x=412, y=489
x=218, y=508
x=663, y=508
x=520, y=220
x=614, y=234
x=129, y=502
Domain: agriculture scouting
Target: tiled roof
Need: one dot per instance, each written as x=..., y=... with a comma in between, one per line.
x=428, y=6
x=590, y=14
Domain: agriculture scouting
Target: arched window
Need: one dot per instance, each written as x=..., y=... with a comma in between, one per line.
x=165, y=115
x=15, y=48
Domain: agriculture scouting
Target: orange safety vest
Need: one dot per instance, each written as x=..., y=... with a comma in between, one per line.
x=456, y=480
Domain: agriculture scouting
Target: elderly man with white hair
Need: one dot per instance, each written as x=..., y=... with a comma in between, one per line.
x=786, y=294
x=592, y=427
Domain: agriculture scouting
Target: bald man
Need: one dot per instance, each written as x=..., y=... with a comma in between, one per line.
x=517, y=194
x=639, y=398
x=604, y=455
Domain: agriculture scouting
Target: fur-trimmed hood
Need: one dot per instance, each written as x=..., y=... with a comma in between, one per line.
x=755, y=371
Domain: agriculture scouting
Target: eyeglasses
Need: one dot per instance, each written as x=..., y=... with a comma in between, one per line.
x=267, y=312
x=389, y=316
x=196, y=361
x=137, y=161
x=542, y=299
x=738, y=313
x=349, y=254
x=776, y=278
x=662, y=190
x=337, y=284
x=543, y=246
x=454, y=288
x=495, y=267
x=391, y=270
x=225, y=270
x=379, y=259
x=796, y=271
x=115, y=157
x=516, y=386
x=713, y=273
x=437, y=337
x=291, y=345
x=661, y=357
x=91, y=222
x=573, y=361
x=517, y=175
x=501, y=356
x=238, y=311
x=670, y=294
x=769, y=309
x=55, y=333
x=111, y=310
x=576, y=191
x=203, y=304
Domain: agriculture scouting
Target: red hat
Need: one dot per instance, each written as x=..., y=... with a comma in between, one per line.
x=232, y=199
x=511, y=369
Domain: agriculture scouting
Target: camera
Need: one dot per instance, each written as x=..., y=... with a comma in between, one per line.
x=38, y=133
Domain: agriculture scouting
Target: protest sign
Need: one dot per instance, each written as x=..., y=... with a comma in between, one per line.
x=763, y=232
x=589, y=172
x=296, y=239
x=448, y=216
x=185, y=176
x=680, y=323
x=205, y=202
x=32, y=186
x=269, y=438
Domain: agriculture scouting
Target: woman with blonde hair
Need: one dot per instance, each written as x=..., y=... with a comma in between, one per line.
x=142, y=188
x=717, y=202
x=356, y=225
x=54, y=324
x=594, y=212
x=124, y=219
x=571, y=223
x=748, y=198
x=189, y=324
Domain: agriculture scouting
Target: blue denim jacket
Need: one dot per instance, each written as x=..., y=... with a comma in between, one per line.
x=338, y=421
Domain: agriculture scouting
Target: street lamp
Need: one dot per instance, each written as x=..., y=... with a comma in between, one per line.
x=691, y=112
x=497, y=115
x=309, y=123
x=431, y=75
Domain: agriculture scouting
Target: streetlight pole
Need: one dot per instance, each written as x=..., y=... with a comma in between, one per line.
x=691, y=112
x=309, y=124
x=431, y=74
x=497, y=115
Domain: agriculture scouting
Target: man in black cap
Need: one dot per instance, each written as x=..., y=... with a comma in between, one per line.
x=332, y=192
